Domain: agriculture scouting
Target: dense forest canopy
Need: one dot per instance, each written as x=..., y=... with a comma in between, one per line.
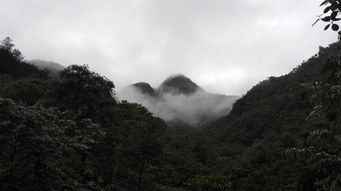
x=68, y=131
x=71, y=133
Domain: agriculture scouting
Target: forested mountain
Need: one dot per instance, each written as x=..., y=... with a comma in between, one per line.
x=269, y=118
x=52, y=67
x=12, y=66
x=178, y=100
x=72, y=133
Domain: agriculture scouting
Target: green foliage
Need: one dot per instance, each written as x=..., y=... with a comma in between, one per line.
x=130, y=155
x=35, y=148
x=71, y=133
x=27, y=91
x=7, y=45
x=322, y=152
x=330, y=14
x=59, y=147
x=12, y=65
x=209, y=183
x=83, y=92
x=261, y=125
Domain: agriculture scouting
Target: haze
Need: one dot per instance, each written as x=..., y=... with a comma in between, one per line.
x=224, y=46
x=179, y=99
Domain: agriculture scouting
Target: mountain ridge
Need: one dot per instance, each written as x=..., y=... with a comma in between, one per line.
x=52, y=67
x=179, y=99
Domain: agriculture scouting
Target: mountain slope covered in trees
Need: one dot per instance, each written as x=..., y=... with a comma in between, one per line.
x=269, y=118
x=72, y=133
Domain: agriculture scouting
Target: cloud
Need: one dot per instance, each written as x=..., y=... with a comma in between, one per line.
x=194, y=109
x=227, y=46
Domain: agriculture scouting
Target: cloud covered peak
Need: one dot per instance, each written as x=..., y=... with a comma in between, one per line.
x=179, y=84
x=144, y=88
x=179, y=99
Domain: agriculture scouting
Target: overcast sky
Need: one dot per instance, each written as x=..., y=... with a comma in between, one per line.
x=225, y=46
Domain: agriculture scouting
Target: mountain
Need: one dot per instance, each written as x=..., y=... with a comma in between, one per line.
x=179, y=100
x=14, y=68
x=145, y=88
x=40, y=134
x=246, y=150
x=179, y=84
x=268, y=119
x=53, y=67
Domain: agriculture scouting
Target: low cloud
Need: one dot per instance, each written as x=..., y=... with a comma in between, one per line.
x=194, y=109
x=225, y=45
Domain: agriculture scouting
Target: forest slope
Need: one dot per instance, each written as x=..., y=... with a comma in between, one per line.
x=269, y=118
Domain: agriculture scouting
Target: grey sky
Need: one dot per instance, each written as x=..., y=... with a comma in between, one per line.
x=226, y=46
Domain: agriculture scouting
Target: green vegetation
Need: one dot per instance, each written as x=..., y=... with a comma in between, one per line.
x=71, y=133
x=331, y=11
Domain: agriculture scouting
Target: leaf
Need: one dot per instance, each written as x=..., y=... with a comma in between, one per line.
x=334, y=7
x=335, y=27
x=324, y=2
x=327, y=9
x=327, y=26
x=333, y=15
x=326, y=19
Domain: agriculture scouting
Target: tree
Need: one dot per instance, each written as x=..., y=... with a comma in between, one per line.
x=330, y=15
x=212, y=182
x=322, y=151
x=38, y=148
x=27, y=91
x=129, y=156
x=84, y=92
x=7, y=45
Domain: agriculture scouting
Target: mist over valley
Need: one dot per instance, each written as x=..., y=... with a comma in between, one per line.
x=93, y=95
x=179, y=99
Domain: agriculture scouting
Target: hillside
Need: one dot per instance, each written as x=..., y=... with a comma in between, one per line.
x=72, y=133
x=66, y=133
x=11, y=64
x=269, y=118
x=52, y=67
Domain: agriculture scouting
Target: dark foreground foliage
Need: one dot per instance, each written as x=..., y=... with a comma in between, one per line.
x=71, y=133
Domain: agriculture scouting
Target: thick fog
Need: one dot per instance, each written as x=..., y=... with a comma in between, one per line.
x=193, y=109
x=225, y=45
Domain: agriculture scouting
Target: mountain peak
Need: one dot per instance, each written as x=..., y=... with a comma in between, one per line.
x=179, y=84
x=144, y=88
x=179, y=100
